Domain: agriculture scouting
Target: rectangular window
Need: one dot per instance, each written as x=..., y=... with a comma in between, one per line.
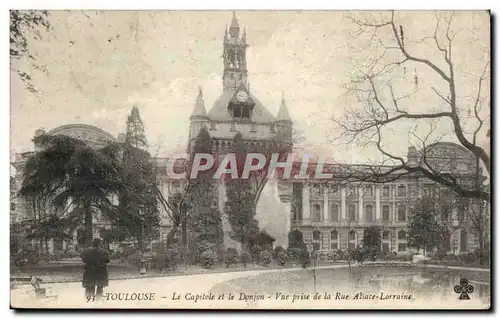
x=233, y=126
x=402, y=191
x=213, y=126
x=334, y=246
x=385, y=213
x=369, y=213
x=385, y=191
x=316, y=212
x=402, y=213
x=253, y=128
x=334, y=190
x=316, y=191
x=12, y=206
x=369, y=191
x=401, y=247
x=334, y=213
x=385, y=247
x=297, y=201
x=352, y=212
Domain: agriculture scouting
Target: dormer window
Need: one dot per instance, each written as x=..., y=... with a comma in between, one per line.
x=241, y=112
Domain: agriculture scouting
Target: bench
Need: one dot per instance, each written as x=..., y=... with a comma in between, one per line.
x=35, y=283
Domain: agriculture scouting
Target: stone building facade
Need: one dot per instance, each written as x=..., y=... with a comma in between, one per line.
x=331, y=215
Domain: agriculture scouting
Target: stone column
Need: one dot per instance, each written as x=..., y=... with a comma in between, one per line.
x=285, y=193
x=377, y=204
x=326, y=207
x=305, y=202
x=343, y=203
x=361, y=208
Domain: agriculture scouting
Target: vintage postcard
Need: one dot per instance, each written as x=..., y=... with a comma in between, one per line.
x=250, y=159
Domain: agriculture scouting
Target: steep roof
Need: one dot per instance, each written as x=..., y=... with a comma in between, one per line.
x=199, y=107
x=220, y=112
x=283, y=114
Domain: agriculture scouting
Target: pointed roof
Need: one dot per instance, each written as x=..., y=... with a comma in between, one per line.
x=283, y=114
x=199, y=107
x=234, y=29
x=234, y=21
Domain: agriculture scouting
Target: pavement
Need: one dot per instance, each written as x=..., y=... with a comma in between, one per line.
x=176, y=292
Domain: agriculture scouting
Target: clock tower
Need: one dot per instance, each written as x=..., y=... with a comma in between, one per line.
x=234, y=54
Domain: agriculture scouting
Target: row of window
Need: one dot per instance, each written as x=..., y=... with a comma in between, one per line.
x=352, y=246
x=352, y=213
x=318, y=190
x=334, y=235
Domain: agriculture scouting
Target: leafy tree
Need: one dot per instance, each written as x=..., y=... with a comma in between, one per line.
x=430, y=224
x=296, y=239
x=22, y=25
x=138, y=203
x=135, y=134
x=422, y=230
x=238, y=207
x=205, y=222
x=75, y=179
x=372, y=240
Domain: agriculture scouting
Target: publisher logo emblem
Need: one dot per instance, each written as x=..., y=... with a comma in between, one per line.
x=464, y=289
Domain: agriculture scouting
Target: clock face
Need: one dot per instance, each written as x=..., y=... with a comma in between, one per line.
x=242, y=96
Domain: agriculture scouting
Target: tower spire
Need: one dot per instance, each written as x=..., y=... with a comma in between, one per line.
x=283, y=114
x=199, y=107
x=234, y=29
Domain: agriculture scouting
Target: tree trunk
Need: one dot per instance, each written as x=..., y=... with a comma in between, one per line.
x=171, y=234
x=88, y=226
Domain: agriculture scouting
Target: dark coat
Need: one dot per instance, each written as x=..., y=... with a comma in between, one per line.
x=96, y=270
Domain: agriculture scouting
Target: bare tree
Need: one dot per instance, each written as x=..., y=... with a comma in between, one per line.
x=384, y=98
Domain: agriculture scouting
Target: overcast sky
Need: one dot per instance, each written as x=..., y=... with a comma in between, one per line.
x=99, y=64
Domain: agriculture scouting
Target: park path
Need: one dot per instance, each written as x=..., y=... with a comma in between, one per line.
x=70, y=295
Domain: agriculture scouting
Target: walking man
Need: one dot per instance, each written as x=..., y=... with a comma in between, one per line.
x=95, y=274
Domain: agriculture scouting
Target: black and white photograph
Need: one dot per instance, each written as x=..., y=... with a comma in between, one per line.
x=250, y=159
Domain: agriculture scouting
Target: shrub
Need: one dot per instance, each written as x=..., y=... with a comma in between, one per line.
x=245, y=258
x=134, y=259
x=255, y=251
x=173, y=256
x=294, y=254
x=208, y=258
x=265, y=258
x=159, y=261
x=305, y=258
x=281, y=257
x=231, y=257
x=277, y=250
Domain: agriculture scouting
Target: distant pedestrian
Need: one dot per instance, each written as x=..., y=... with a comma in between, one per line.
x=95, y=274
